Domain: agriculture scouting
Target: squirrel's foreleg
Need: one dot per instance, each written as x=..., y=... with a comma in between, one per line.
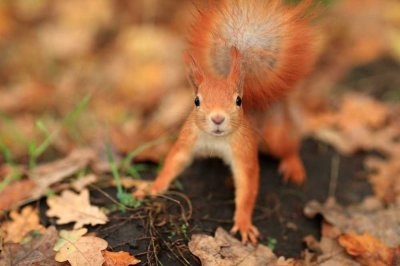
x=178, y=158
x=245, y=170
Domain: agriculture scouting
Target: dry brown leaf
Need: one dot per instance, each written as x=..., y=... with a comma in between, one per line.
x=83, y=182
x=71, y=207
x=326, y=252
x=21, y=224
x=39, y=251
x=15, y=193
x=29, y=97
x=384, y=177
x=370, y=216
x=358, y=124
x=225, y=250
x=47, y=174
x=80, y=250
x=42, y=177
x=120, y=258
x=369, y=251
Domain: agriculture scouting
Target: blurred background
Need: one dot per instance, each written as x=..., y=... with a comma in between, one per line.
x=78, y=73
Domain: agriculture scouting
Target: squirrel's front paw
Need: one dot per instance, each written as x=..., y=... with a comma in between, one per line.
x=148, y=189
x=292, y=170
x=247, y=231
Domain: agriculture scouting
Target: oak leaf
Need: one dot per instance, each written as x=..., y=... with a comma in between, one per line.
x=80, y=250
x=21, y=224
x=38, y=251
x=120, y=258
x=71, y=207
x=225, y=250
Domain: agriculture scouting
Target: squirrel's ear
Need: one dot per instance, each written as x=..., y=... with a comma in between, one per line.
x=236, y=73
x=195, y=74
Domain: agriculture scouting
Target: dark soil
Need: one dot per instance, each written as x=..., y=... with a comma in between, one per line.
x=208, y=185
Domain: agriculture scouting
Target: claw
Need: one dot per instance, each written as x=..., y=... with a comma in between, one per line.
x=246, y=234
x=139, y=194
x=234, y=230
x=146, y=190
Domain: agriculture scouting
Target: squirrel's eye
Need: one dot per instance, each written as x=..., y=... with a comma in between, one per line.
x=238, y=101
x=197, y=101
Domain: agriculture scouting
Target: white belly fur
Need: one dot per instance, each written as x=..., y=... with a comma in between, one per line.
x=213, y=146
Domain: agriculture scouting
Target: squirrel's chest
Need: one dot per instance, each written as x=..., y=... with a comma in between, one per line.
x=211, y=146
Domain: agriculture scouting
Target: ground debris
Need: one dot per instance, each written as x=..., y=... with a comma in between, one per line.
x=39, y=251
x=48, y=174
x=371, y=217
x=369, y=251
x=21, y=224
x=225, y=250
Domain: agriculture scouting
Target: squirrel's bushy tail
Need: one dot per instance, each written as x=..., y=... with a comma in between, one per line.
x=275, y=41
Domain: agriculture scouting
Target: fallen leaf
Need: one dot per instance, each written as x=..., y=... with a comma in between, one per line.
x=370, y=216
x=30, y=97
x=71, y=207
x=326, y=252
x=83, y=182
x=39, y=251
x=47, y=174
x=80, y=250
x=15, y=193
x=42, y=177
x=358, y=124
x=369, y=251
x=120, y=258
x=225, y=250
x=21, y=224
x=384, y=177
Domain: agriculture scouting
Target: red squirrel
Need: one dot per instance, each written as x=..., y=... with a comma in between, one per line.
x=242, y=56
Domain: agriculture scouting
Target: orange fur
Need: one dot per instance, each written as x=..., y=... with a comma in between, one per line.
x=250, y=49
x=287, y=27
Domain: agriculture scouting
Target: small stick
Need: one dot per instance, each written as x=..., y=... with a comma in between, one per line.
x=334, y=176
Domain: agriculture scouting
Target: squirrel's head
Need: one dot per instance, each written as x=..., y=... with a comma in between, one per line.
x=217, y=102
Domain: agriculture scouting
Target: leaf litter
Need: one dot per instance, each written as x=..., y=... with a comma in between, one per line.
x=38, y=251
x=21, y=224
x=355, y=123
x=225, y=250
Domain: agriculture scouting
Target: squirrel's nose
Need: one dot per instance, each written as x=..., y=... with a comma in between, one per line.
x=218, y=119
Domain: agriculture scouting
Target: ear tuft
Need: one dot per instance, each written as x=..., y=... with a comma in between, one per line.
x=195, y=74
x=236, y=73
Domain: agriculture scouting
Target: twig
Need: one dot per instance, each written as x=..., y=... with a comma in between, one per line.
x=334, y=176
